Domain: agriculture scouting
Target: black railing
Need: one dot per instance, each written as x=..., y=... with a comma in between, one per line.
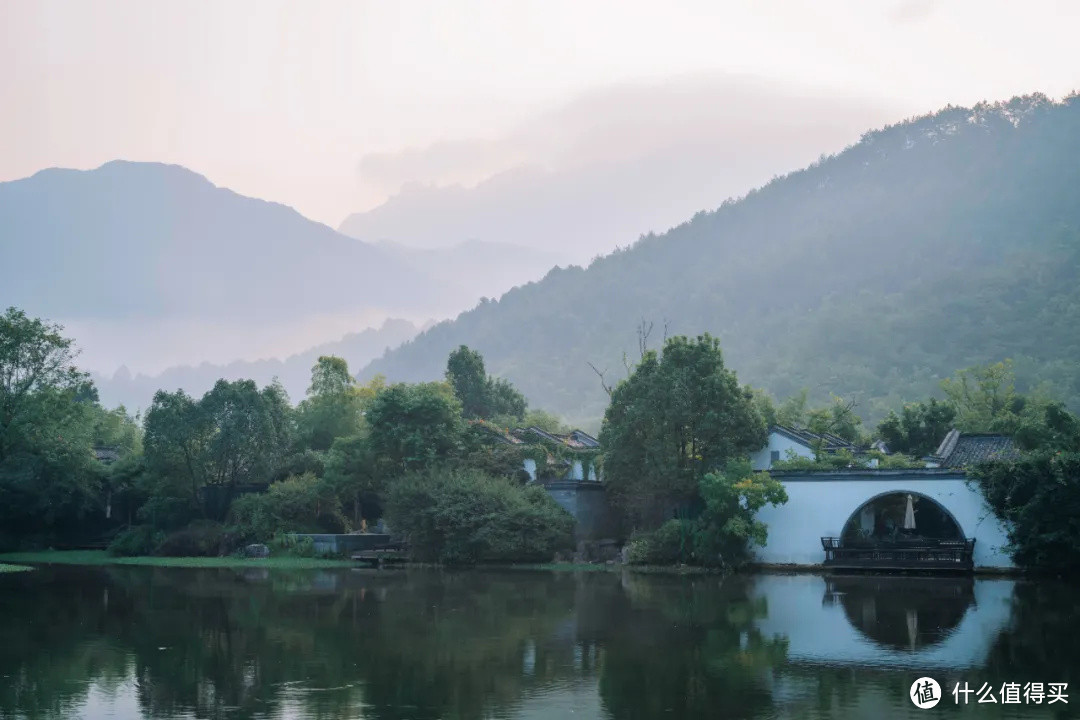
x=902, y=554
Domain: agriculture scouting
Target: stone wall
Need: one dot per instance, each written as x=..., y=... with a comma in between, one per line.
x=595, y=518
x=327, y=544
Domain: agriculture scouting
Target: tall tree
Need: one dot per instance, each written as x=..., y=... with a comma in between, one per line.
x=482, y=396
x=679, y=416
x=918, y=429
x=413, y=426
x=334, y=406
x=236, y=434
x=47, y=411
x=466, y=374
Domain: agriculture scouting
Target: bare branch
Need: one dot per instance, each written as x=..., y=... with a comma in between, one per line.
x=603, y=383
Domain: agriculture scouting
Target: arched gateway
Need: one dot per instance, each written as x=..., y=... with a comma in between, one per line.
x=924, y=518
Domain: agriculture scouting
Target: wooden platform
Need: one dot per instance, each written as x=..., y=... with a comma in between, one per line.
x=935, y=555
x=380, y=557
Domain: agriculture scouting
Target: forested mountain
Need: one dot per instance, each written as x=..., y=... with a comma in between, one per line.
x=155, y=240
x=938, y=243
x=135, y=392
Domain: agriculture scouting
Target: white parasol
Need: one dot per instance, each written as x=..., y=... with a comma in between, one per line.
x=909, y=514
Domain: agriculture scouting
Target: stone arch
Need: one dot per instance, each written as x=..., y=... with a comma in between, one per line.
x=942, y=523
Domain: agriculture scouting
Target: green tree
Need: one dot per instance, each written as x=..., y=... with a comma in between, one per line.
x=353, y=471
x=727, y=527
x=466, y=516
x=413, y=426
x=1038, y=494
x=679, y=416
x=838, y=418
x=466, y=374
x=918, y=429
x=985, y=398
x=47, y=412
x=334, y=406
x=201, y=451
x=481, y=396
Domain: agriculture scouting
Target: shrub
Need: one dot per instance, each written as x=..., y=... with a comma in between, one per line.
x=465, y=517
x=669, y=544
x=203, y=538
x=136, y=540
x=722, y=534
x=290, y=544
x=303, y=503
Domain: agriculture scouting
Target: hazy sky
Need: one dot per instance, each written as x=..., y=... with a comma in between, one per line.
x=331, y=106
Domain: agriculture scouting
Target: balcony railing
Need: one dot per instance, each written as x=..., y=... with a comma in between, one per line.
x=913, y=554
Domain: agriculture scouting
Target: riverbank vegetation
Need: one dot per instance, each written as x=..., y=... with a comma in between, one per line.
x=206, y=476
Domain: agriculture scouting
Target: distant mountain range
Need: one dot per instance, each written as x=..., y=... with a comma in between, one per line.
x=135, y=392
x=934, y=244
x=151, y=240
x=146, y=263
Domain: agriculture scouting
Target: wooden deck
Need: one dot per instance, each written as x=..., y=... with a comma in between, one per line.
x=936, y=555
x=382, y=556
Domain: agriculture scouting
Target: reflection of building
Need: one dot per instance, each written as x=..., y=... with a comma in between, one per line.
x=904, y=613
x=873, y=621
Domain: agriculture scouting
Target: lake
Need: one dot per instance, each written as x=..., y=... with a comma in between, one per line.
x=140, y=642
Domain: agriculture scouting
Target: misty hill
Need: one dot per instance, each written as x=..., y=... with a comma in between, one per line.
x=151, y=240
x=477, y=268
x=136, y=391
x=941, y=242
x=596, y=172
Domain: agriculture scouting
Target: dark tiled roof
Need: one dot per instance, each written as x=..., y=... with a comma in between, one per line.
x=575, y=439
x=106, y=455
x=496, y=433
x=830, y=442
x=962, y=449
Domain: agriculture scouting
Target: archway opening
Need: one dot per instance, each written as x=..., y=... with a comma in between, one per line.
x=900, y=517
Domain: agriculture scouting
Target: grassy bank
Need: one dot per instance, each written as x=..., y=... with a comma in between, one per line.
x=5, y=568
x=100, y=557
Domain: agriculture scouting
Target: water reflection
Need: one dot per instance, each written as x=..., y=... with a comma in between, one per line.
x=905, y=613
x=144, y=642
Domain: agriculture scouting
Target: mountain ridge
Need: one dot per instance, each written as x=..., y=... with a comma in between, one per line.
x=918, y=207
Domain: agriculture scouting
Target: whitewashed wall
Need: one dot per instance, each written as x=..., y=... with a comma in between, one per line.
x=819, y=505
x=761, y=460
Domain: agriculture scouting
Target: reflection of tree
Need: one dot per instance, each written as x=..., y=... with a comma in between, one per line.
x=212, y=643
x=689, y=649
x=48, y=637
x=1039, y=644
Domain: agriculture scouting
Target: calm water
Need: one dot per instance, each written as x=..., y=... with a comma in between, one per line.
x=124, y=642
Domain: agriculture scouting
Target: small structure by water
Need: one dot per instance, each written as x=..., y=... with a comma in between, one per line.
x=856, y=519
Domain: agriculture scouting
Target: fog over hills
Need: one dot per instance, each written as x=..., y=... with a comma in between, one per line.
x=135, y=391
x=149, y=265
x=938, y=243
x=592, y=174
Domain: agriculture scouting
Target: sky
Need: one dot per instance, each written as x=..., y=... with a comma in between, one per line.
x=335, y=107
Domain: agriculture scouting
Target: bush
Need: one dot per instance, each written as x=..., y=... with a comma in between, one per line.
x=1038, y=497
x=136, y=540
x=303, y=503
x=290, y=544
x=669, y=544
x=724, y=531
x=203, y=538
x=465, y=517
